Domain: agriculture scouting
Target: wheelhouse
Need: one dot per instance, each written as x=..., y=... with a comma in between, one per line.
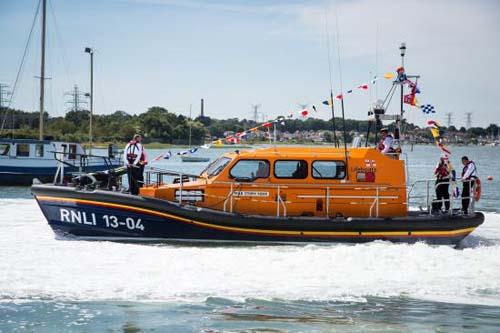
x=296, y=181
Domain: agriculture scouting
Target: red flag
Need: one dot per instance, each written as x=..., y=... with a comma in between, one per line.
x=339, y=96
x=409, y=99
x=364, y=86
x=304, y=113
x=268, y=124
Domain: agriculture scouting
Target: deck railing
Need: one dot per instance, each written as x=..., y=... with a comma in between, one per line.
x=378, y=194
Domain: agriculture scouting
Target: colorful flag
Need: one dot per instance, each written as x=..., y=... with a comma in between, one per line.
x=427, y=108
x=339, y=97
x=159, y=157
x=410, y=99
x=389, y=76
x=268, y=124
x=254, y=129
x=304, y=113
x=241, y=134
x=328, y=102
x=364, y=86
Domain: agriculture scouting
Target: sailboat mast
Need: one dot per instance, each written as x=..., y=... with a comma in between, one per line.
x=42, y=71
x=190, y=107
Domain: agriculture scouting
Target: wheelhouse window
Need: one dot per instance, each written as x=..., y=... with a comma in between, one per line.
x=291, y=169
x=214, y=168
x=39, y=150
x=328, y=169
x=23, y=150
x=4, y=149
x=72, y=152
x=250, y=169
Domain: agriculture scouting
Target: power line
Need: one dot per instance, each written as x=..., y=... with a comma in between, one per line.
x=75, y=100
x=449, y=119
x=256, y=108
x=468, y=121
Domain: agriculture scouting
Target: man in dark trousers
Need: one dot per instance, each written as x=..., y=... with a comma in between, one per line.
x=134, y=158
x=443, y=176
x=469, y=174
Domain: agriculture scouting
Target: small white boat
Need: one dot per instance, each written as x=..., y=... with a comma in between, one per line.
x=191, y=158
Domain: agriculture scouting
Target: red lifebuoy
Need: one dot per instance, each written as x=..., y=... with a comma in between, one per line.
x=477, y=193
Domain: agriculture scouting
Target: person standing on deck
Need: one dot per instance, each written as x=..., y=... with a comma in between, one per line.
x=443, y=173
x=469, y=174
x=386, y=142
x=134, y=158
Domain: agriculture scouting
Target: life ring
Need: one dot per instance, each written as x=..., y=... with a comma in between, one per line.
x=477, y=192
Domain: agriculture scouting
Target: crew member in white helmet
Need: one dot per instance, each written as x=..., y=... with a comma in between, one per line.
x=386, y=142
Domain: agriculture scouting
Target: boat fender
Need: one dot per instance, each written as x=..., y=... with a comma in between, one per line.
x=477, y=193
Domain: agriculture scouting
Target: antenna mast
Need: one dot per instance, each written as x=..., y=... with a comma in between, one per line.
x=334, y=128
x=341, y=91
x=42, y=71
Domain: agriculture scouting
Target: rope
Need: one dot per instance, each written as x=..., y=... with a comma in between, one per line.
x=21, y=65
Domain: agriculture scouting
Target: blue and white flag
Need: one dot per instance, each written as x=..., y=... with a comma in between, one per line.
x=427, y=108
x=164, y=156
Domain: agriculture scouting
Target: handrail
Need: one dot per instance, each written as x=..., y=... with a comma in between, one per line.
x=451, y=200
x=374, y=206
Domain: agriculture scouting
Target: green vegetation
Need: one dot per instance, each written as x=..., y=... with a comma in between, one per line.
x=161, y=127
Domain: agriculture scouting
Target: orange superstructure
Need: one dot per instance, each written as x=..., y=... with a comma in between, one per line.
x=296, y=181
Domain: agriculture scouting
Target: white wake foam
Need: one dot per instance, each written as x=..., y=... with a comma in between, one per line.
x=33, y=264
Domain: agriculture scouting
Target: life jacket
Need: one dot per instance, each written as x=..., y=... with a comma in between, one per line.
x=442, y=172
x=381, y=144
x=474, y=172
x=132, y=151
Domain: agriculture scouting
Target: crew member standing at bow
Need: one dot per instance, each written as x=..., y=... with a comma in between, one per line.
x=386, y=142
x=469, y=175
x=134, y=158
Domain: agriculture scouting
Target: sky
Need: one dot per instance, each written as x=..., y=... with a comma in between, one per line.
x=234, y=54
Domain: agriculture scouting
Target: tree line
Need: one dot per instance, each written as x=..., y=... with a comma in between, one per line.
x=157, y=124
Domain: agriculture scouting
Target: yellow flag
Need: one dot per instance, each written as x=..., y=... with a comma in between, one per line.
x=389, y=76
x=435, y=132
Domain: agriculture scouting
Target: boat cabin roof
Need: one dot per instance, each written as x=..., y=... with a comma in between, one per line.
x=304, y=153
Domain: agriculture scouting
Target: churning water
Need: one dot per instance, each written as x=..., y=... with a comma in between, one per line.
x=49, y=285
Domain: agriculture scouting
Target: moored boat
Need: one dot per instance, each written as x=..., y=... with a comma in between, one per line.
x=190, y=158
x=22, y=160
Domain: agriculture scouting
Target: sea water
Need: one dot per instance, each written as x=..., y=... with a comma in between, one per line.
x=56, y=285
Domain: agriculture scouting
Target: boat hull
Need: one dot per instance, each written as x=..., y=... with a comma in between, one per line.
x=116, y=216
